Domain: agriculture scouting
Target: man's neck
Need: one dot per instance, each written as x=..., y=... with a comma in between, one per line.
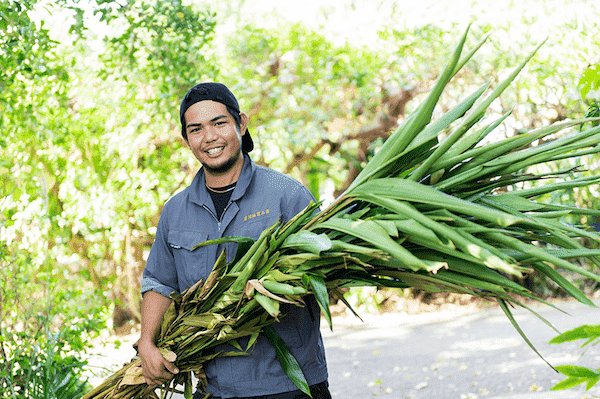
x=226, y=178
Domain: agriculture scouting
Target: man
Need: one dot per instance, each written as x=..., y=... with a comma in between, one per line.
x=229, y=196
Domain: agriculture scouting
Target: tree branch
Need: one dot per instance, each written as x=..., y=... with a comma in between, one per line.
x=386, y=121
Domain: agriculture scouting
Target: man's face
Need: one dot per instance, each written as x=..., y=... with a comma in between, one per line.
x=213, y=136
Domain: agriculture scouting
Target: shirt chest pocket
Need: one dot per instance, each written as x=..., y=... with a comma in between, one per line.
x=191, y=263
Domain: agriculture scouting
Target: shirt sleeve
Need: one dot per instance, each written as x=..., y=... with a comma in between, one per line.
x=160, y=273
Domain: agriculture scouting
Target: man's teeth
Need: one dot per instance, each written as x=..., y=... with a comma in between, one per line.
x=215, y=150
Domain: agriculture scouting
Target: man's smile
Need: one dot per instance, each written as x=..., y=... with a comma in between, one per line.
x=216, y=150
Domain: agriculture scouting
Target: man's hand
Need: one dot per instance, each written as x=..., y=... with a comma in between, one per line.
x=157, y=370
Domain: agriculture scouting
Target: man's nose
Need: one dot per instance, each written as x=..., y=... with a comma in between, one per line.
x=210, y=134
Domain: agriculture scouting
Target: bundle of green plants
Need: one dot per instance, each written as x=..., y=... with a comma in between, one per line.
x=437, y=208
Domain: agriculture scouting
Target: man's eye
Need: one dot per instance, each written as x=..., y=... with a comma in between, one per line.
x=194, y=130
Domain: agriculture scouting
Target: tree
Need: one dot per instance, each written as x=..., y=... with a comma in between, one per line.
x=64, y=162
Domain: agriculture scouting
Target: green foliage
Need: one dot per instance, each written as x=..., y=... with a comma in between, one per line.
x=590, y=80
x=82, y=126
x=26, y=50
x=593, y=112
x=163, y=40
x=45, y=365
x=578, y=375
x=590, y=333
x=364, y=299
x=47, y=314
x=304, y=91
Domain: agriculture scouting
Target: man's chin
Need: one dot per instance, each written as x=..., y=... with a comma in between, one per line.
x=221, y=168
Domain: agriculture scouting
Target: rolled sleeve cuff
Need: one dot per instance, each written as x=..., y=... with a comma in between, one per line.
x=149, y=284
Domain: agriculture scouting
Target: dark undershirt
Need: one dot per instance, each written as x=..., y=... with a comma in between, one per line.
x=221, y=199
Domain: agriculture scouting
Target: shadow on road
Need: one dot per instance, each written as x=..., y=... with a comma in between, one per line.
x=456, y=355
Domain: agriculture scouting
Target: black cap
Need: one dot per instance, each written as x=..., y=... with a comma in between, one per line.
x=216, y=92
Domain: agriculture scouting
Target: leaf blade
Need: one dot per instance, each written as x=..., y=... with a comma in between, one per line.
x=288, y=362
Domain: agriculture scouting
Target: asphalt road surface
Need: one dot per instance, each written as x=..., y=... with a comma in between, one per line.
x=462, y=354
x=474, y=355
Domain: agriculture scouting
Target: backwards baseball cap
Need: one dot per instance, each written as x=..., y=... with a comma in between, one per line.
x=216, y=92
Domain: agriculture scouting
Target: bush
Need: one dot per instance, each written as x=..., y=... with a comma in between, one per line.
x=47, y=365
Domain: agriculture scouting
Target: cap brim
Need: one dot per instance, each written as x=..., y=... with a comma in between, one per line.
x=247, y=143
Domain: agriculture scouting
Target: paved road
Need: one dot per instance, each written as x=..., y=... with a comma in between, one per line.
x=447, y=355
x=476, y=355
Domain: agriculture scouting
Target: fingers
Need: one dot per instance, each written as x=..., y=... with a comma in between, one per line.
x=158, y=377
x=171, y=367
x=157, y=370
x=161, y=373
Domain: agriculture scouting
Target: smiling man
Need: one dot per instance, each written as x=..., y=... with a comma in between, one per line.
x=215, y=139
x=229, y=196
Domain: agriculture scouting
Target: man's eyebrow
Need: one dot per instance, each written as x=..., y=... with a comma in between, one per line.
x=216, y=118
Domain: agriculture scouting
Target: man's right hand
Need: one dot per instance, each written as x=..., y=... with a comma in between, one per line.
x=157, y=370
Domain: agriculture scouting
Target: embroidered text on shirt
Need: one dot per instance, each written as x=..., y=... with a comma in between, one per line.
x=257, y=214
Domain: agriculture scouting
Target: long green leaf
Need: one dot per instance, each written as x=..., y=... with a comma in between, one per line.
x=433, y=129
x=514, y=201
x=548, y=156
x=559, y=144
x=252, y=263
x=469, y=246
x=480, y=272
x=308, y=241
x=582, y=332
x=558, y=229
x=550, y=187
x=417, y=232
x=508, y=314
x=512, y=162
x=445, y=145
x=270, y=305
x=560, y=253
x=317, y=285
x=469, y=55
x=562, y=282
x=287, y=360
x=406, y=190
x=473, y=283
x=405, y=134
x=544, y=256
x=569, y=383
x=259, y=244
x=374, y=234
x=468, y=142
x=294, y=224
x=242, y=241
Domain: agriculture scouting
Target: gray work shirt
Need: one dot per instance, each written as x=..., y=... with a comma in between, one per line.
x=261, y=197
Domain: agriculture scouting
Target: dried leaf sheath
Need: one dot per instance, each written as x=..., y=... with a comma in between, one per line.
x=439, y=216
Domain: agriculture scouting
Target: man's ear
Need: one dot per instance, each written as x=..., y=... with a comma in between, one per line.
x=243, y=123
